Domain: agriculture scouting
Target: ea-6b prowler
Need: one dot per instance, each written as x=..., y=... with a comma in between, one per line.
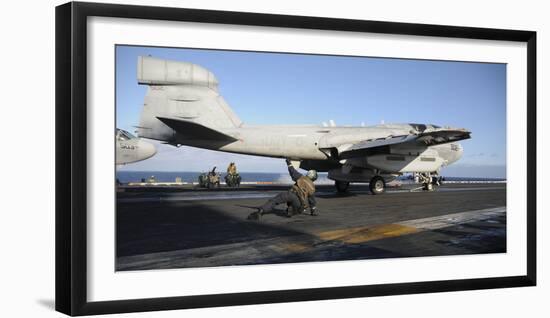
x=130, y=149
x=184, y=107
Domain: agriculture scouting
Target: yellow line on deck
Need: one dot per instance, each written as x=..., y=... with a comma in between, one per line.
x=365, y=234
x=297, y=247
x=352, y=235
x=362, y=234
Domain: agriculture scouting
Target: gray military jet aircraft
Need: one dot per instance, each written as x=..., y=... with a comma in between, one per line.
x=183, y=107
x=131, y=149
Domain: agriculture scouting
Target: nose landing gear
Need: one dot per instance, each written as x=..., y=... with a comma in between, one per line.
x=428, y=181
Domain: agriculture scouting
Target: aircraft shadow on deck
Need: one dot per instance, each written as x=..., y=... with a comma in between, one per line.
x=143, y=228
x=146, y=229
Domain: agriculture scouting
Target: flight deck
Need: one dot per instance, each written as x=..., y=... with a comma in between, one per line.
x=163, y=227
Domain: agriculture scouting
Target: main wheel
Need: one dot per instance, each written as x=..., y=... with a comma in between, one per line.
x=377, y=185
x=341, y=186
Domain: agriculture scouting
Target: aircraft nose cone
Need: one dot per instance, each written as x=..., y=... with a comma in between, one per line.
x=147, y=150
x=458, y=153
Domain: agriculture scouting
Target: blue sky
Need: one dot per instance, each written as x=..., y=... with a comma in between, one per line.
x=278, y=88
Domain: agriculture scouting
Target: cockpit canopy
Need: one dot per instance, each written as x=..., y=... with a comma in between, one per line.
x=422, y=127
x=123, y=135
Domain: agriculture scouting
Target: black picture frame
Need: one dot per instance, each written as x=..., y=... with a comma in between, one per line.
x=71, y=157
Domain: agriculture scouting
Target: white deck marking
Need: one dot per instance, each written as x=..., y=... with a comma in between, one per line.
x=442, y=221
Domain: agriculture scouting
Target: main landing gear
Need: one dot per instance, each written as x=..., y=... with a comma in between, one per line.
x=377, y=185
x=341, y=186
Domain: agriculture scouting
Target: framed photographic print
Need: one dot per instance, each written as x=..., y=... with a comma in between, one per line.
x=211, y=158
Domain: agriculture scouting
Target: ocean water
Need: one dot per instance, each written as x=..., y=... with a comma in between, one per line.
x=190, y=176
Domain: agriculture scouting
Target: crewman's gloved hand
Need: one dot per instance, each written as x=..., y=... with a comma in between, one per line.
x=313, y=211
x=288, y=162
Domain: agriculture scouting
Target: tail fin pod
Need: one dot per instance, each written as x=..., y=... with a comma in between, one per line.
x=153, y=71
x=180, y=90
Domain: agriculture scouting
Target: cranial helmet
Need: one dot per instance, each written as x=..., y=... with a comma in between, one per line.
x=312, y=174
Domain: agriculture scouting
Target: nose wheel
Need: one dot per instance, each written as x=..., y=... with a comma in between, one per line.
x=377, y=185
x=428, y=181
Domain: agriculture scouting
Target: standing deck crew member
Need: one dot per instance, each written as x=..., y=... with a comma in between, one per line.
x=232, y=168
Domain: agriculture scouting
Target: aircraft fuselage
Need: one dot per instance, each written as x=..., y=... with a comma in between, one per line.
x=318, y=143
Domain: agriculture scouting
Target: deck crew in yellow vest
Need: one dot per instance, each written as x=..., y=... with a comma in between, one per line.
x=232, y=168
x=299, y=198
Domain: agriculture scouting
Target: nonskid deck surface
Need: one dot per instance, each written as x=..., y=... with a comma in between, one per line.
x=166, y=228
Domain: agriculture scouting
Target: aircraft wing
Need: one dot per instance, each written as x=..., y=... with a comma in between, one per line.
x=426, y=138
x=195, y=131
x=442, y=136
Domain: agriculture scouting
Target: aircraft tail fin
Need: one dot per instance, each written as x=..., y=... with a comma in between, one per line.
x=180, y=90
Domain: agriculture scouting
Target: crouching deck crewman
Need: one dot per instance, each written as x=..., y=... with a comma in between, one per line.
x=298, y=199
